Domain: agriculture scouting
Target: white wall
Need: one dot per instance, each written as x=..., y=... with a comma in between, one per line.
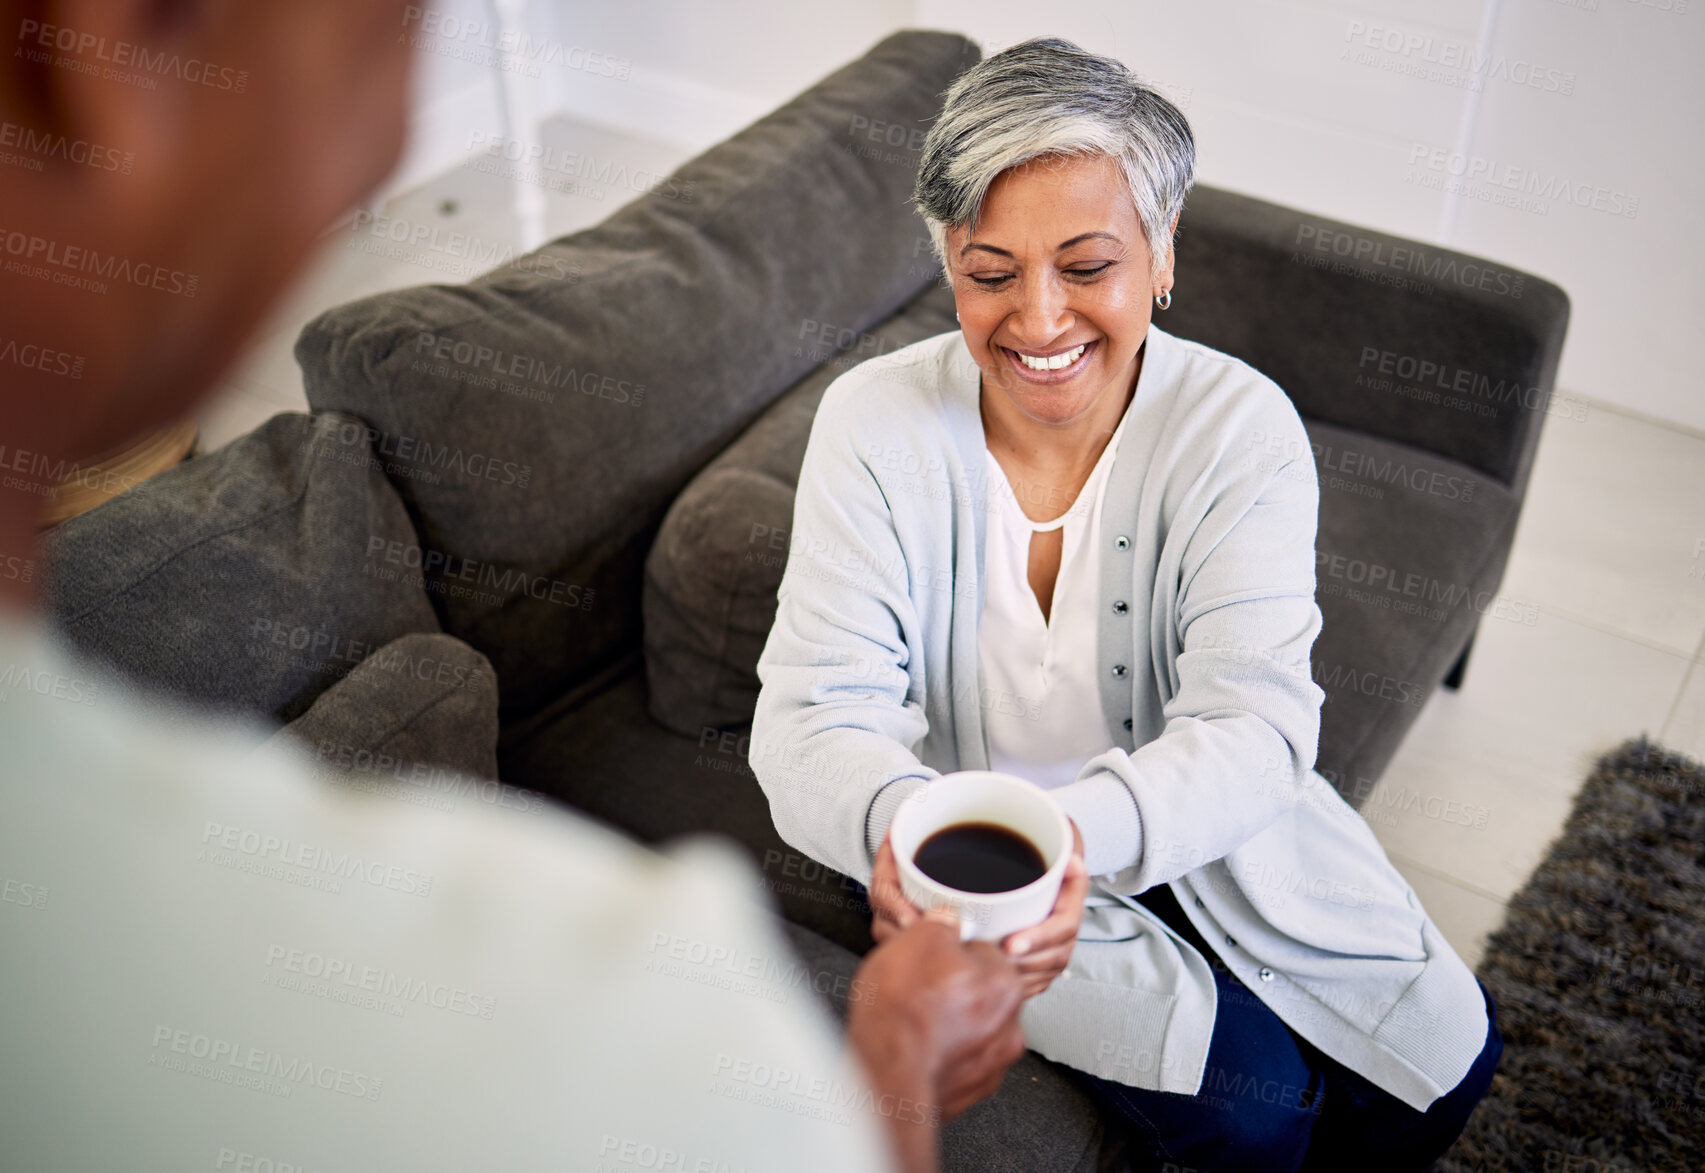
x=1635, y=125
x=1290, y=103
x=684, y=73
x=705, y=68
x=1314, y=104
x=455, y=87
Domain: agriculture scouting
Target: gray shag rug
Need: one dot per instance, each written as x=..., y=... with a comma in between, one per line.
x=1598, y=973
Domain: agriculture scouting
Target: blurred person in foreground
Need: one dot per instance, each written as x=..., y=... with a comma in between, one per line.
x=500, y=1005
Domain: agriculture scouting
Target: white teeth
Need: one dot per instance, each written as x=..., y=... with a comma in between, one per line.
x=1051, y=364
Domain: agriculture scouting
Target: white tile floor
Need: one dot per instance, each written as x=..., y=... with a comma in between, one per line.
x=1611, y=549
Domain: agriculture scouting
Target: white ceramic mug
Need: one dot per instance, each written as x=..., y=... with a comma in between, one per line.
x=983, y=796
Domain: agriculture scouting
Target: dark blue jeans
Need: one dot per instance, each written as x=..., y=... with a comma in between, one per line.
x=1271, y=1101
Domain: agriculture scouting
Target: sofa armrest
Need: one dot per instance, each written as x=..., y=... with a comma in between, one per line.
x=250, y=579
x=412, y=715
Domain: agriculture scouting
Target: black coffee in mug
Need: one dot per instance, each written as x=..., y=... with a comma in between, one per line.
x=980, y=857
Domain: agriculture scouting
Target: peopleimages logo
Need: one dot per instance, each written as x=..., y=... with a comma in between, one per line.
x=507, y=364
x=1381, y=582
x=512, y=50
x=1463, y=388
x=45, y=359
x=1434, y=59
x=414, y=451
x=730, y=962
x=114, y=59
x=1341, y=677
x=221, y=1059
x=286, y=967
x=41, y=144
x=867, y=138
x=228, y=846
x=437, y=787
x=1328, y=888
x=503, y=583
x=43, y=682
x=807, y=1093
x=1524, y=180
x=243, y=1161
x=43, y=476
x=535, y=160
x=1363, y=465
x=439, y=247
x=1354, y=249
x=75, y=266
x=625, y=1155
x=23, y=895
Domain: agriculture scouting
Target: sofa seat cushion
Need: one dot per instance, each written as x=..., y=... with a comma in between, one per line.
x=1408, y=558
x=541, y=418
x=713, y=572
x=606, y=757
x=250, y=579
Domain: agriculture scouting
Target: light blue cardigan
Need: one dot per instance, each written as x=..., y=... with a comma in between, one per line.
x=1207, y=615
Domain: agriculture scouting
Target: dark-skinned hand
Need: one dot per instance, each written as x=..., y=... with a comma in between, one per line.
x=1040, y=952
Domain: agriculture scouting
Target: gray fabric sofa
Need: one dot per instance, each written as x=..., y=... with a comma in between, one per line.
x=534, y=526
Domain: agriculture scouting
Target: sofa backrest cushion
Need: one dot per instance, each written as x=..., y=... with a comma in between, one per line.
x=539, y=420
x=250, y=579
x=1439, y=350
x=713, y=573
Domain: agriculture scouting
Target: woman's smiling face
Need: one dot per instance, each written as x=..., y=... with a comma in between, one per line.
x=1058, y=261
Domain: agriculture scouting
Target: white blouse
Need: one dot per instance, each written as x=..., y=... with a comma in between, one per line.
x=1041, y=707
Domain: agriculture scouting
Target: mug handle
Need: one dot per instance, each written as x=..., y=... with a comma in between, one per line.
x=967, y=925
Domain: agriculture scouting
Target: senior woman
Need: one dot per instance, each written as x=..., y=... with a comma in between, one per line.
x=1039, y=544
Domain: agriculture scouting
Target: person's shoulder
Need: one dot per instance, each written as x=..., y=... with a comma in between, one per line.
x=899, y=390
x=1222, y=388
x=174, y=765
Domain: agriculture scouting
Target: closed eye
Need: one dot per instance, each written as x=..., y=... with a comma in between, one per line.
x=1088, y=273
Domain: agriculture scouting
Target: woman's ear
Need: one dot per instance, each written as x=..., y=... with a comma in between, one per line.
x=1171, y=251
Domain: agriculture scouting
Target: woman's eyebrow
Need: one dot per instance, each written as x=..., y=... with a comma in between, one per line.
x=1083, y=236
x=1062, y=247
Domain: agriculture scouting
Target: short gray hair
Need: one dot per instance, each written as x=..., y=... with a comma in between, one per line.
x=1048, y=97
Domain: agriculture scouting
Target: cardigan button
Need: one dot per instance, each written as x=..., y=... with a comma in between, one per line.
x=1121, y=542
x=1199, y=903
x=1127, y=722
x=1229, y=941
x=1118, y=669
x=1265, y=974
x=1121, y=607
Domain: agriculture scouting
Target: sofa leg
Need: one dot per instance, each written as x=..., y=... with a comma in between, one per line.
x=1453, y=678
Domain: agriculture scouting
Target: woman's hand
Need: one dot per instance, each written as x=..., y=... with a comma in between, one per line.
x=1039, y=953
x=891, y=912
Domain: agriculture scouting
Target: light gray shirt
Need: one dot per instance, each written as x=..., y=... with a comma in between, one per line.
x=213, y=958
x=1206, y=617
